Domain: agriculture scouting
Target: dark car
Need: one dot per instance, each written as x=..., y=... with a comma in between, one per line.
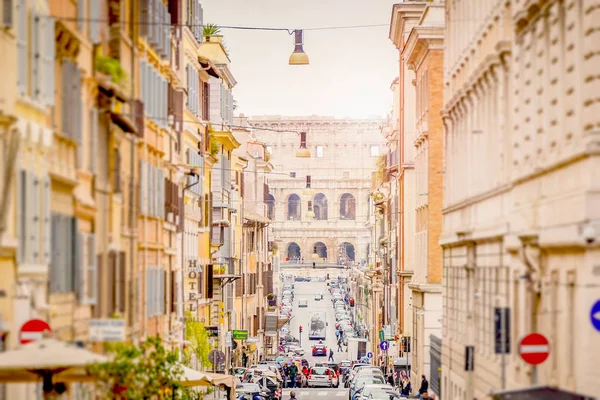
x=319, y=350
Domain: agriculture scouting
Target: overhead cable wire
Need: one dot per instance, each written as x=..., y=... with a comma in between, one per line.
x=290, y=31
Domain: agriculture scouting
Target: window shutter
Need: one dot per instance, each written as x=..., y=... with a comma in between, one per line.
x=93, y=25
x=7, y=13
x=167, y=29
x=65, y=74
x=78, y=107
x=143, y=187
x=148, y=292
x=48, y=61
x=81, y=14
x=196, y=29
x=92, y=270
x=200, y=20
x=162, y=291
x=21, y=215
x=222, y=101
x=145, y=12
x=158, y=19
x=79, y=267
x=143, y=89
x=93, y=139
x=45, y=218
x=110, y=294
x=54, y=255
x=35, y=28
x=32, y=220
x=22, y=55
x=121, y=282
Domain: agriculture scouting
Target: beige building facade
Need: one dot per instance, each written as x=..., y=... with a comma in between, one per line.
x=521, y=223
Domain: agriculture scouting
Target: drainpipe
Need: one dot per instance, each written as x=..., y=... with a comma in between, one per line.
x=132, y=161
x=242, y=240
x=534, y=282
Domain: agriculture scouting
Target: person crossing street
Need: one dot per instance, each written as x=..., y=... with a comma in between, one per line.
x=330, y=355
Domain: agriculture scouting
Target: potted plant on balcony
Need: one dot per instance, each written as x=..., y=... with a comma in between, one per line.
x=271, y=300
x=111, y=69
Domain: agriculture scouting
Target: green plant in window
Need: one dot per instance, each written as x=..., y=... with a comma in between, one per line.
x=214, y=146
x=112, y=67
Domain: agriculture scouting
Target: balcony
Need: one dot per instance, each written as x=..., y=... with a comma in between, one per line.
x=63, y=160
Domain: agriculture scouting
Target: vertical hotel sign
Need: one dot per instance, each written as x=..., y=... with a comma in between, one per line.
x=191, y=282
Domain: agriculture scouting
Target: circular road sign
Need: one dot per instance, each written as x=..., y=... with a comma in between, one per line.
x=281, y=348
x=534, y=348
x=33, y=330
x=384, y=345
x=595, y=315
x=370, y=355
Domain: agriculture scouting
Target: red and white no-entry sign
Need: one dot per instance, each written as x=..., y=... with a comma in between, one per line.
x=33, y=330
x=534, y=348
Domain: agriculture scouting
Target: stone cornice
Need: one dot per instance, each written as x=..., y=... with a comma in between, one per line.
x=420, y=40
x=402, y=12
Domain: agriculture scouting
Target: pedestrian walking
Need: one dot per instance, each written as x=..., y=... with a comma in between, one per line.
x=330, y=355
x=405, y=386
x=286, y=374
x=340, y=345
x=423, y=389
x=390, y=379
x=293, y=373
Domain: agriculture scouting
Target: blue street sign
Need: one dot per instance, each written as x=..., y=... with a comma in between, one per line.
x=384, y=345
x=281, y=348
x=370, y=355
x=595, y=315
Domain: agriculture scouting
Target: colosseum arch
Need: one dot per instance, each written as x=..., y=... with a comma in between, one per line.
x=321, y=249
x=293, y=251
x=294, y=207
x=347, y=206
x=347, y=252
x=270, y=206
x=320, y=206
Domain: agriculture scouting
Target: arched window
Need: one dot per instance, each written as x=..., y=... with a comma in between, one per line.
x=271, y=207
x=347, y=206
x=346, y=252
x=293, y=207
x=293, y=251
x=320, y=249
x=320, y=206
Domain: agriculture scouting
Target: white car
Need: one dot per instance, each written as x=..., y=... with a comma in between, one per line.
x=297, y=350
x=323, y=376
x=302, y=303
x=318, y=296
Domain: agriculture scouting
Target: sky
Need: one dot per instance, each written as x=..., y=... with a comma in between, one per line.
x=350, y=70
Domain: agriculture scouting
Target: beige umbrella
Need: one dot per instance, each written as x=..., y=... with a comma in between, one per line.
x=191, y=377
x=47, y=360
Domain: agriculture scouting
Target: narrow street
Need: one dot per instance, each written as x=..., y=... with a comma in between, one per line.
x=301, y=315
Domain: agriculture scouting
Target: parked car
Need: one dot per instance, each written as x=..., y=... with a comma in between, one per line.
x=297, y=350
x=318, y=296
x=319, y=350
x=323, y=376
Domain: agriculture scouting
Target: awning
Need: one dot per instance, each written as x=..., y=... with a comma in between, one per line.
x=206, y=63
x=281, y=322
x=252, y=216
x=539, y=393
